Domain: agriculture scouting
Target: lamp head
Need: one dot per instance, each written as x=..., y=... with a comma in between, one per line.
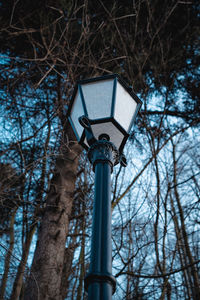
x=109, y=105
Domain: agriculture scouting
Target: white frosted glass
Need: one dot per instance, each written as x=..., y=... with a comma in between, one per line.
x=98, y=98
x=115, y=135
x=76, y=112
x=125, y=107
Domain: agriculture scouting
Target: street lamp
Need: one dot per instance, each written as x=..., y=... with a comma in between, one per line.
x=102, y=112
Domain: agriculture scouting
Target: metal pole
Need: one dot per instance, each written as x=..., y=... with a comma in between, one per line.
x=99, y=282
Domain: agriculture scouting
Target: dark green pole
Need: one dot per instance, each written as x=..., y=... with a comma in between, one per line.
x=99, y=282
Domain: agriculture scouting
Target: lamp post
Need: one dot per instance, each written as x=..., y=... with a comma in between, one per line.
x=102, y=112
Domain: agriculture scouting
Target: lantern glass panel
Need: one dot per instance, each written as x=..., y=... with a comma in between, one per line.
x=125, y=107
x=98, y=98
x=116, y=137
x=76, y=112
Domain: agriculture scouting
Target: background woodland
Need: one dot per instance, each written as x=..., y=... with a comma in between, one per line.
x=46, y=182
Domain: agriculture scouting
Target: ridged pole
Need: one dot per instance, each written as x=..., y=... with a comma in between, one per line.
x=99, y=282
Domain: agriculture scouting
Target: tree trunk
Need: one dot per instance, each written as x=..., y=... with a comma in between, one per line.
x=8, y=255
x=46, y=272
x=17, y=286
x=82, y=259
x=194, y=274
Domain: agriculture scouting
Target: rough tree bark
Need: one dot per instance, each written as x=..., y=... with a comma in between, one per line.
x=44, y=282
x=8, y=255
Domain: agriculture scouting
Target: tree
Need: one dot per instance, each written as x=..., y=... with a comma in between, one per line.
x=45, y=48
x=9, y=183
